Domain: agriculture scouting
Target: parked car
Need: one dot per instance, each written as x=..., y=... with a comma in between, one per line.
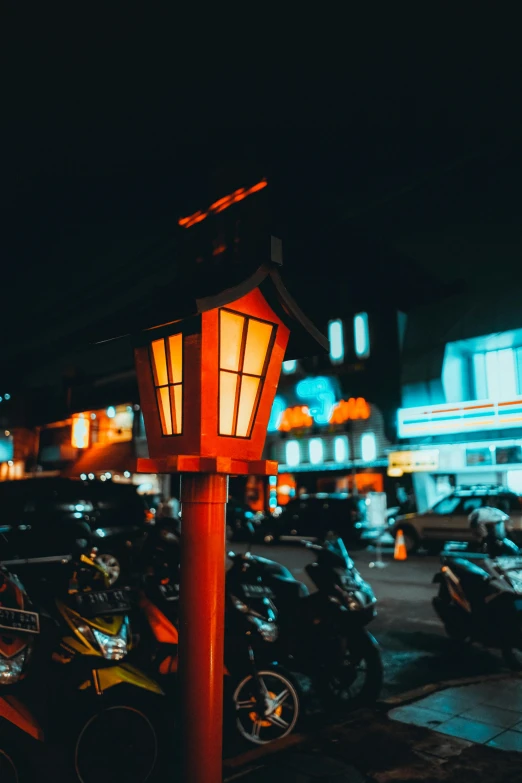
x=311, y=517
x=41, y=517
x=448, y=519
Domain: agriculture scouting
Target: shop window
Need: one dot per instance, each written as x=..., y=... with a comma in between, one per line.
x=341, y=448
x=514, y=482
x=108, y=428
x=336, y=340
x=369, y=447
x=292, y=453
x=315, y=451
x=497, y=375
x=361, y=335
x=289, y=366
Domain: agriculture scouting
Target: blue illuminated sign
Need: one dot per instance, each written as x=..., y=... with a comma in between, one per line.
x=278, y=408
x=459, y=417
x=320, y=396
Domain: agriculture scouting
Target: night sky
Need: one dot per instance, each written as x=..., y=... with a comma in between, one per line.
x=412, y=140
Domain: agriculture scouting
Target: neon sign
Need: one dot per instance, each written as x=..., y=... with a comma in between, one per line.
x=278, y=409
x=295, y=418
x=349, y=410
x=221, y=204
x=322, y=396
x=459, y=417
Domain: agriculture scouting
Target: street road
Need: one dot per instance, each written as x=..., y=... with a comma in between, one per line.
x=415, y=648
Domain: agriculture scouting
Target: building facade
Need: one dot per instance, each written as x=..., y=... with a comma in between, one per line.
x=460, y=422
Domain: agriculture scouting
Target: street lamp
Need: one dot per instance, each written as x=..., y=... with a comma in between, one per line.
x=207, y=377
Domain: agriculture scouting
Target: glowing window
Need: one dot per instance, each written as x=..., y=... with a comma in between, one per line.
x=315, y=450
x=341, y=448
x=292, y=453
x=245, y=345
x=361, y=335
x=289, y=366
x=336, y=338
x=369, y=447
x=167, y=365
x=80, y=431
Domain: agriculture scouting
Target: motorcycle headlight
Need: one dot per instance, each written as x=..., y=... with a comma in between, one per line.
x=113, y=648
x=269, y=631
x=11, y=668
x=355, y=601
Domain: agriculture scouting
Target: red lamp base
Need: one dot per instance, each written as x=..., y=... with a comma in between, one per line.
x=187, y=463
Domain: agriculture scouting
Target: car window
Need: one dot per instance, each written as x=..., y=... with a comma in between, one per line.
x=470, y=504
x=446, y=505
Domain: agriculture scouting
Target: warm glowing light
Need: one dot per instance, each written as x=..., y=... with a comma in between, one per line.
x=80, y=432
x=221, y=204
x=350, y=410
x=244, y=350
x=167, y=364
x=295, y=418
x=300, y=416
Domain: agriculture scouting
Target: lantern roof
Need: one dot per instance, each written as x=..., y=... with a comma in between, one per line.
x=198, y=293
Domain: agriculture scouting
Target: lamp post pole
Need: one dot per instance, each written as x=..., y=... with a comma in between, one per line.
x=202, y=614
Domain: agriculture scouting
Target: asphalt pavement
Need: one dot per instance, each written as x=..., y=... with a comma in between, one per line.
x=416, y=651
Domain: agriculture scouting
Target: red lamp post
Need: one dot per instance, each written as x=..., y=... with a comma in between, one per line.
x=207, y=384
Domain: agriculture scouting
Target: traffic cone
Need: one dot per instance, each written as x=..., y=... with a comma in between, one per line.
x=400, y=552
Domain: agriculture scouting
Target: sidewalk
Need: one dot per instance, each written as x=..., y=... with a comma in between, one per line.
x=457, y=735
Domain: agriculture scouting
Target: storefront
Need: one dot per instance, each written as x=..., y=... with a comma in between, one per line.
x=325, y=441
x=485, y=447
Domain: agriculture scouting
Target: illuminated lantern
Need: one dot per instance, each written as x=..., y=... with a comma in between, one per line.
x=207, y=383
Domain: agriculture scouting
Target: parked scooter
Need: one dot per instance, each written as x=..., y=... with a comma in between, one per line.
x=19, y=627
x=323, y=634
x=260, y=697
x=83, y=697
x=480, y=588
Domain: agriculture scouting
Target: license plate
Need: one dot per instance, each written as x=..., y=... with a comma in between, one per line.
x=257, y=591
x=103, y=602
x=19, y=620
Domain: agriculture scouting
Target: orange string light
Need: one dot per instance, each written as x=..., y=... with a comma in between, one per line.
x=221, y=204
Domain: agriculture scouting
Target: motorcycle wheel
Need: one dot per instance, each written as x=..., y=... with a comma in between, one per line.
x=513, y=658
x=118, y=743
x=282, y=710
x=8, y=773
x=357, y=679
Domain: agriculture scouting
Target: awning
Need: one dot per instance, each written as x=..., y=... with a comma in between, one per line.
x=102, y=458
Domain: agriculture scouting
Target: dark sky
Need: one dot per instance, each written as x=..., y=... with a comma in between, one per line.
x=407, y=131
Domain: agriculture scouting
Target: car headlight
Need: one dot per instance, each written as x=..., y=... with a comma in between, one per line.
x=113, y=648
x=11, y=668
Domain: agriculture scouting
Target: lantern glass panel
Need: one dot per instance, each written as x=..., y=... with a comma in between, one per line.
x=258, y=340
x=167, y=366
x=231, y=340
x=245, y=346
x=228, y=382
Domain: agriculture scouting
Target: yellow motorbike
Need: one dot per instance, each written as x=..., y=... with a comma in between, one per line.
x=94, y=710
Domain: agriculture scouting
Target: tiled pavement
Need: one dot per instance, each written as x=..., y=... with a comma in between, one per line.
x=488, y=713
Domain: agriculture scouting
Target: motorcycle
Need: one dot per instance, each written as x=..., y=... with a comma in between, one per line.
x=480, y=599
x=84, y=696
x=322, y=635
x=261, y=698
x=19, y=627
